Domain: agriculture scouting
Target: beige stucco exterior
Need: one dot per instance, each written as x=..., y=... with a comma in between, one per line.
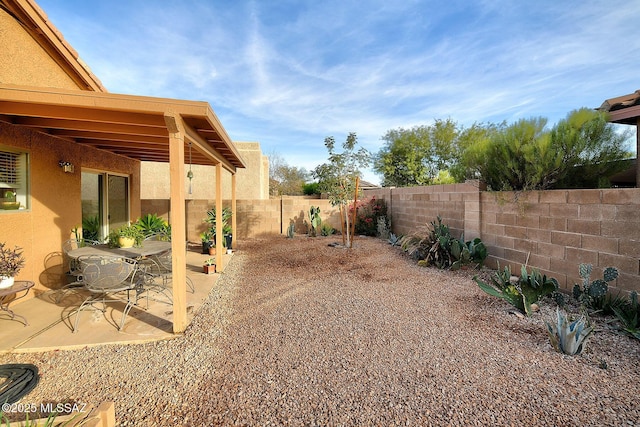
x=55, y=199
x=55, y=202
x=54, y=205
x=252, y=182
x=24, y=62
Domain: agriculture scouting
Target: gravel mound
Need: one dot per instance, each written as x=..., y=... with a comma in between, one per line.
x=299, y=333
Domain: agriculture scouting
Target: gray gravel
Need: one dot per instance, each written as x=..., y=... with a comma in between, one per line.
x=298, y=333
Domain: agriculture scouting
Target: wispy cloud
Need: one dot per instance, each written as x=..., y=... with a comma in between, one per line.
x=290, y=73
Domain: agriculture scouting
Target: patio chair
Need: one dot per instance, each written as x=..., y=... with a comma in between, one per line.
x=72, y=265
x=108, y=279
x=160, y=236
x=160, y=268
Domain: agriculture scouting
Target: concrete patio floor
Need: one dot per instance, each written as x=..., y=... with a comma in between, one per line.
x=50, y=325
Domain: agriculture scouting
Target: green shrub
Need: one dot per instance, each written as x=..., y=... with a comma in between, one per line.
x=91, y=228
x=575, y=153
x=311, y=188
x=628, y=314
x=150, y=224
x=326, y=229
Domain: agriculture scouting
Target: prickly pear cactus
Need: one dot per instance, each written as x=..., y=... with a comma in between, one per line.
x=598, y=288
x=610, y=274
x=590, y=292
x=456, y=249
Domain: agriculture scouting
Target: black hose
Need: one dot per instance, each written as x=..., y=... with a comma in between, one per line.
x=21, y=379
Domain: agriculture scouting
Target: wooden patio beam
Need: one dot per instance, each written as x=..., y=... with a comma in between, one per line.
x=175, y=126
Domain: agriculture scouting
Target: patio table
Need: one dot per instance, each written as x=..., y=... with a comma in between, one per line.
x=13, y=291
x=148, y=248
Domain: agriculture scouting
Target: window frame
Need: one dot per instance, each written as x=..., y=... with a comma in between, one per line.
x=18, y=179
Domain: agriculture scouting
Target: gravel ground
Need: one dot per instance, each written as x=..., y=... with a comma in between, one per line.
x=302, y=334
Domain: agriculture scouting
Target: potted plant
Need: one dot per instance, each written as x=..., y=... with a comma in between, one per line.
x=10, y=200
x=207, y=241
x=11, y=262
x=125, y=236
x=226, y=227
x=209, y=266
x=152, y=224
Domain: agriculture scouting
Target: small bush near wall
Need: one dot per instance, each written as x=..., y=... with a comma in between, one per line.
x=369, y=212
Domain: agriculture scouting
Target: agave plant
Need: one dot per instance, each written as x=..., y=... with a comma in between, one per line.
x=152, y=224
x=525, y=291
x=568, y=337
x=394, y=240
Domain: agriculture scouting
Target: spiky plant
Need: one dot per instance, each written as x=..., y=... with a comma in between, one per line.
x=629, y=316
x=591, y=294
x=568, y=337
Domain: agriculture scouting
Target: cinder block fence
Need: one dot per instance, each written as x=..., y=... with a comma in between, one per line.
x=553, y=231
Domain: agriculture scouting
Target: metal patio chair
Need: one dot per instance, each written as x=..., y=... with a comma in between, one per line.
x=109, y=279
x=73, y=270
x=160, y=269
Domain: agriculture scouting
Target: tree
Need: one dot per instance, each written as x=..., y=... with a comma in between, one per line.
x=416, y=156
x=285, y=179
x=594, y=150
x=578, y=151
x=338, y=177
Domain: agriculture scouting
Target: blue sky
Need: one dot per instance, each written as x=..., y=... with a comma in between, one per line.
x=289, y=73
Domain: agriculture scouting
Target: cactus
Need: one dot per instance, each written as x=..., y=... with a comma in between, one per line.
x=527, y=289
x=291, y=230
x=590, y=293
x=598, y=288
x=534, y=285
x=568, y=337
x=610, y=274
x=314, y=219
x=460, y=252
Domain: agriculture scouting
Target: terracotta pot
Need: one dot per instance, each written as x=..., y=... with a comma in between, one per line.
x=212, y=250
x=209, y=269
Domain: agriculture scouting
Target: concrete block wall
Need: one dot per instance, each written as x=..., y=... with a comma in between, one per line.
x=553, y=231
x=254, y=217
x=414, y=207
x=557, y=230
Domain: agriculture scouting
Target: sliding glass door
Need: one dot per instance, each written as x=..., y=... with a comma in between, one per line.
x=105, y=204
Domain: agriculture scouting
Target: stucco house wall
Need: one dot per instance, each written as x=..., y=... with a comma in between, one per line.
x=55, y=199
x=55, y=204
x=252, y=183
x=24, y=62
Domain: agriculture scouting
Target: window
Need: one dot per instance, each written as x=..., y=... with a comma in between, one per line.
x=14, y=179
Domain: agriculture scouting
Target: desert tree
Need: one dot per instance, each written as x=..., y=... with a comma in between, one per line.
x=338, y=177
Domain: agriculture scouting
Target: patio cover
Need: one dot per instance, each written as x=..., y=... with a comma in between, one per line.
x=625, y=110
x=143, y=128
